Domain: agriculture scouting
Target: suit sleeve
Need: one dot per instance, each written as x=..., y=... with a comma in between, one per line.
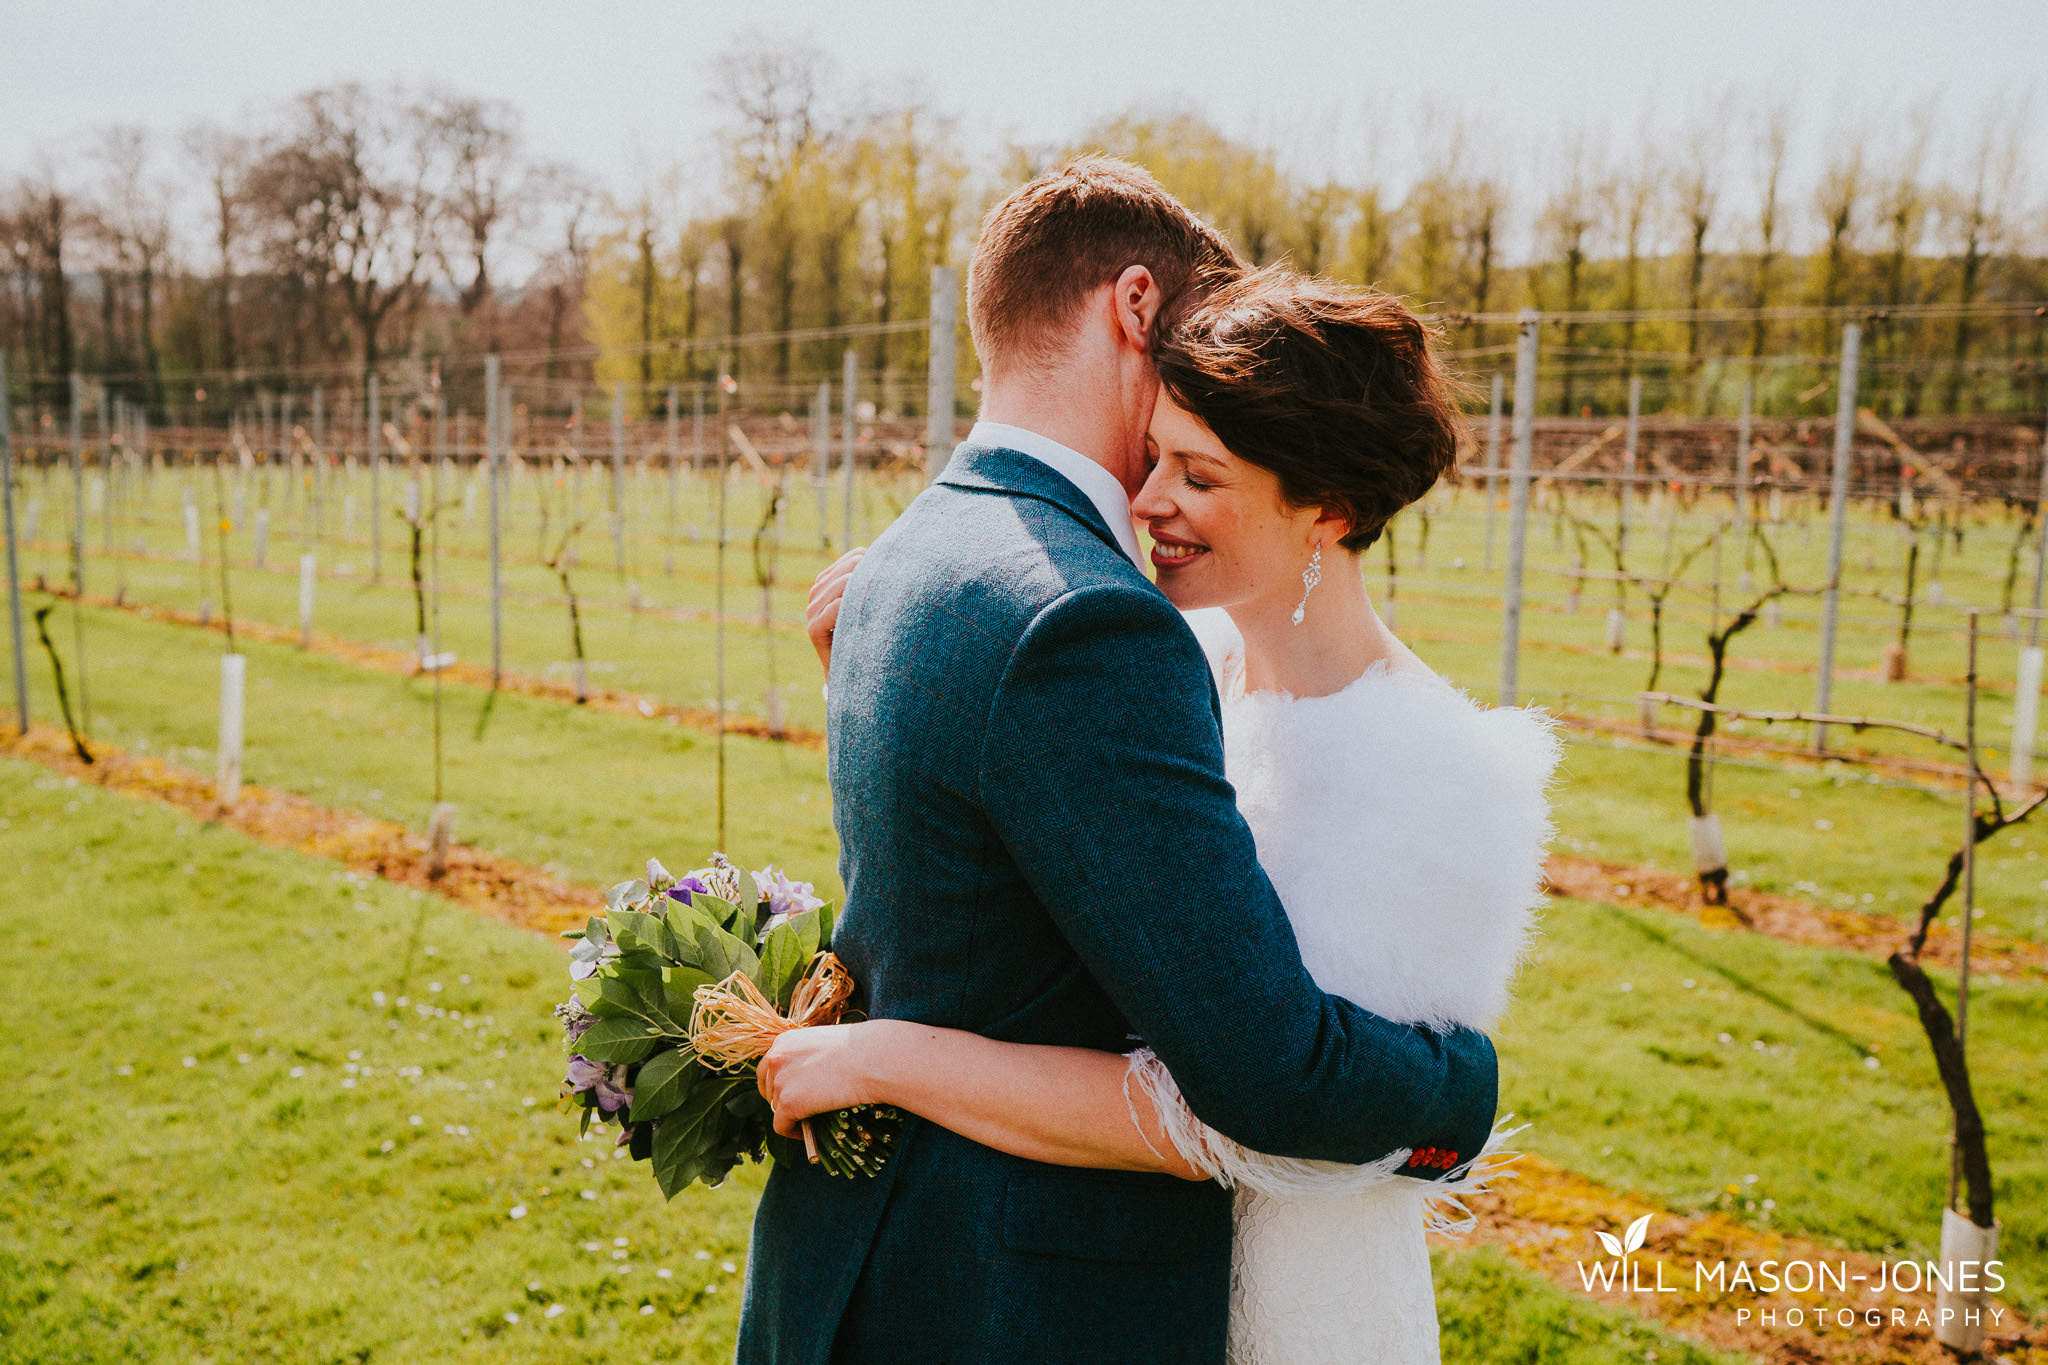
x=1103, y=775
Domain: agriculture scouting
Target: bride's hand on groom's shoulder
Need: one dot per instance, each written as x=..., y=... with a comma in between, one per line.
x=816, y=1070
x=821, y=613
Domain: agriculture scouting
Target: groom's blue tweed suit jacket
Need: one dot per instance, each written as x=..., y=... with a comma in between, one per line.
x=1039, y=845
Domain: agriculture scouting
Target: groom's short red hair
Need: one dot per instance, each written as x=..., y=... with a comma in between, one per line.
x=1069, y=232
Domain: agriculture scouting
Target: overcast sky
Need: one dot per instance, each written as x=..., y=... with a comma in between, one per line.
x=619, y=87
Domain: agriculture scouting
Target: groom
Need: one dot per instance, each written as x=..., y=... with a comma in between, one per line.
x=1039, y=845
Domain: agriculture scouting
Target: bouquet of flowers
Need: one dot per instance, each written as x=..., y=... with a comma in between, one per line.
x=683, y=985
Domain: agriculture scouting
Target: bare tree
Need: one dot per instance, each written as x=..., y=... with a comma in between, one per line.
x=1772, y=141
x=1973, y=221
x=44, y=226
x=1568, y=222
x=564, y=271
x=491, y=188
x=777, y=94
x=223, y=160
x=1837, y=203
x=1633, y=201
x=1698, y=197
x=352, y=195
x=133, y=218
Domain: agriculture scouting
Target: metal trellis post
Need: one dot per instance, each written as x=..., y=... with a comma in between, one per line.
x=849, y=432
x=494, y=447
x=1529, y=327
x=1838, y=522
x=1492, y=464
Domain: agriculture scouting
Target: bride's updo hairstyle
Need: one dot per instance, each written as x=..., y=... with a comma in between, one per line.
x=1334, y=389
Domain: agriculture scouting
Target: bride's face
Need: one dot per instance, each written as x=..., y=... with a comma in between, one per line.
x=1223, y=536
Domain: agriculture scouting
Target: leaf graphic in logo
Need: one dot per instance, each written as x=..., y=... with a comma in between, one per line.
x=1637, y=1231
x=1607, y=1240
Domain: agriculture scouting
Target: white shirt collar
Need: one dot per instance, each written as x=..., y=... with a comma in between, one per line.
x=1099, y=485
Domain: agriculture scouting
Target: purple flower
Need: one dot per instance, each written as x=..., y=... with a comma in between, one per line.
x=785, y=897
x=603, y=1081
x=691, y=885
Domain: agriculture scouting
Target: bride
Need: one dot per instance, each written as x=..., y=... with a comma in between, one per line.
x=1401, y=824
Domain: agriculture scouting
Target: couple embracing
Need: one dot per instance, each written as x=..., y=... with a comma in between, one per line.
x=1181, y=907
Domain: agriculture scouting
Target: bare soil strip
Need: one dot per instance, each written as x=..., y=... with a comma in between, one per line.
x=497, y=887
x=1544, y=1217
x=1787, y=917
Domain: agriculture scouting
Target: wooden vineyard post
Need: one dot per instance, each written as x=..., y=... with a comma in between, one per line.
x=13, y=557
x=1838, y=521
x=1529, y=327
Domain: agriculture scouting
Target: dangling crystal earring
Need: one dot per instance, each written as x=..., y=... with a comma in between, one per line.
x=1310, y=576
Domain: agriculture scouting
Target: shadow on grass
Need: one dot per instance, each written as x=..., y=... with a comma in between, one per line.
x=1736, y=979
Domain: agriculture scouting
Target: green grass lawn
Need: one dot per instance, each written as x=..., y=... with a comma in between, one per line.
x=222, y=1146
x=218, y=1145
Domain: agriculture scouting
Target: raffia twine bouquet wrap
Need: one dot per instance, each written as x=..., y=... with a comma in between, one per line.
x=683, y=985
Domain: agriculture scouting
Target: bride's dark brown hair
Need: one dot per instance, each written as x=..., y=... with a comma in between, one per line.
x=1337, y=390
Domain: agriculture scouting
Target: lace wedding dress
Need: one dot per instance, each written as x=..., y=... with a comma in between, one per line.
x=1403, y=827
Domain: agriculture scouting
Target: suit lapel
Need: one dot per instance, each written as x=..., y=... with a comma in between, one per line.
x=994, y=469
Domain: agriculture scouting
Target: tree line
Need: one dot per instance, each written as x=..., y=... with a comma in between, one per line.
x=355, y=229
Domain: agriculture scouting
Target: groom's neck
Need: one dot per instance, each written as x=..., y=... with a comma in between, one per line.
x=1079, y=411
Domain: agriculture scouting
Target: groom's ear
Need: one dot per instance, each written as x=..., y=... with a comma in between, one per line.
x=1135, y=301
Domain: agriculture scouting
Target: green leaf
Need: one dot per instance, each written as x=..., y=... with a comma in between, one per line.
x=662, y=1083
x=630, y=929
x=721, y=954
x=679, y=991
x=638, y=995
x=683, y=1141
x=746, y=1103
x=614, y=1041
x=828, y=921
x=810, y=928
x=783, y=959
